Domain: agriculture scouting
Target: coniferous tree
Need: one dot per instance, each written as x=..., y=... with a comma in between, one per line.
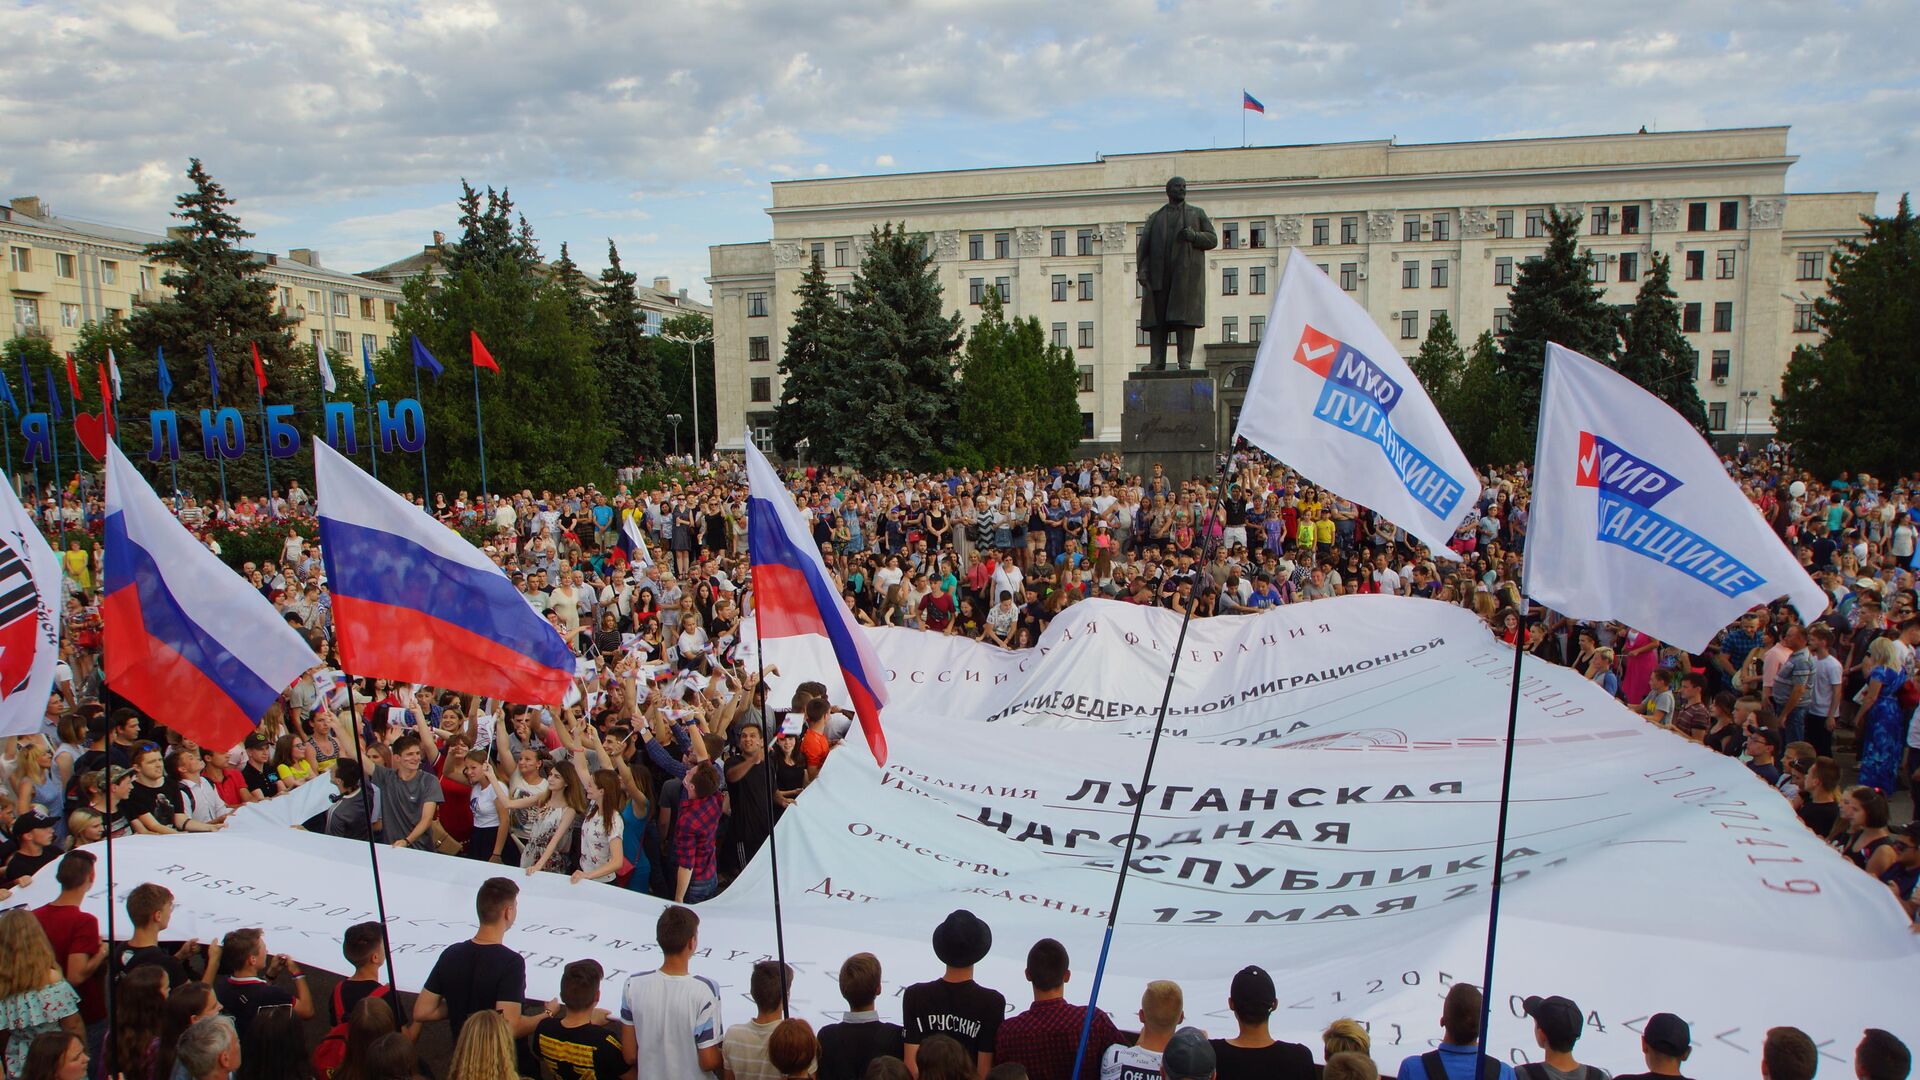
x=893, y=402
x=1845, y=403
x=807, y=368
x=1437, y=365
x=634, y=402
x=1656, y=354
x=581, y=303
x=1477, y=403
x=1019, y=395
x=1553, y=299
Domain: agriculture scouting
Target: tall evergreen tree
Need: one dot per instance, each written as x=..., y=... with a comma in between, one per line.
x=634, y=405
x=1019, y=394
x=1477, y=403
x=893, y=404
x=1656, y=354
x=218, y=299
x=1553, y=299
x=808, y=363
x=1437, y=365
x=1845, y=403
x=581, y=301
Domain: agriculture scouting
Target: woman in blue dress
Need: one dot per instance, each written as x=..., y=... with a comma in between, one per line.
x=1883, y=726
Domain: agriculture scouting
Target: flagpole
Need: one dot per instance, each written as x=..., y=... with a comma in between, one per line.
x=773, y=826
x=1139, y=805
x=59, y=488
x=480, y=427
x=366, y=385
x=266, y=449
x=1500, y=832
x=426, y=497
x=219, y=454
x=113, y=999
x=366, y=804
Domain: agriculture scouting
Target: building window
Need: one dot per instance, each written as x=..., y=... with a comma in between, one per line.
x=1503, y=270
x=1349, y=276
x=1723, y=317
x=1810, y=265
x=756, y=305
x=109, y=272
x=1716, y=416
x=342, y=304
x=1256, y=328
x=841, y=250
x=1602, y=220
x=1059, y=286
x=366, y=308
x=843, y=292
x=1503, y=224
x=977, y=247
x=1230, y=330
x=1596, y=269
x=1086, y=286
x=1730, y=214
x=1697, y=217
x=319, y=340
x=286, y=299
x=1536, y=223
x=1321, y=227
x=1410, y=228
x=342, y=342
x=1086, y=425
x=392, y=309
x=1086, y=378
x=1434, y=316
x=1256, y=235
x=63, y=264
x=1442, y=226
x=1439, y=273
x=1502, y=320
x=368, y=346
x=1410, y=274
x=114, y=315
x=1629, y=266
x=1002, y=245
x=1409, y=324
x=70, y=315
x=763, y=438
x=1349, y=230
x=1724, y=264
x=1230, y=235
x=1059, y=243
x=1629, y=221
x=1060, y=334
x=1722, y=364
x=818, y=252
x=759, y=348
x=1083, y=242
x=1140, y=336
x=1005, y=287
x=1696, y=265
x=1803, y=319
x=1229, y=281
x=1086, y=335
x=1690, y=318
x=976, y=290
x=26, y=311
x=1257, y=280
x=762, y=388
x=21, y=259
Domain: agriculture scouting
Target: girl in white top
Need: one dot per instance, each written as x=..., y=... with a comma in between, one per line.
x=601, y=829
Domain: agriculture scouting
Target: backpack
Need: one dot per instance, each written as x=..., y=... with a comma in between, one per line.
x=1437, y=1069
x=331, y=1052
x=1534, y=1070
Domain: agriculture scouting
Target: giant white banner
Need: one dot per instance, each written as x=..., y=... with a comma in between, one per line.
x=1349, y=856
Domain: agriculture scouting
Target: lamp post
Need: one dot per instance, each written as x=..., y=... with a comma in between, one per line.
x=674, y=419
x=1746, y=411
x=693, y=375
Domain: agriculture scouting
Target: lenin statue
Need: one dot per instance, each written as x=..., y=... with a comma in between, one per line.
x=1171, y=266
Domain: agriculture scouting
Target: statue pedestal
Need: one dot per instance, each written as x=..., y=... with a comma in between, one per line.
x=1168, y=419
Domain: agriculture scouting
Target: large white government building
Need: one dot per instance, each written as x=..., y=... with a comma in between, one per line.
x=1410, y=231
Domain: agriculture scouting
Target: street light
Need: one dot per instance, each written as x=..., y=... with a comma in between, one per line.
x=1746, y=411
x=693, y=374
x=674, y=419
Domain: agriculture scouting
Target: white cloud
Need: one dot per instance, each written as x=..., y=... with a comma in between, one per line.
x=883, y=161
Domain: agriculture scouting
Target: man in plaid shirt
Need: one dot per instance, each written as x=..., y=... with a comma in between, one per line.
x=1045, y=1037
x=696, y=832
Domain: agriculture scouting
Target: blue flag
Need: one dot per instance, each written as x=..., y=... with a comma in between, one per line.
x=26, y=382
x=366, y=360
x=424, y=359
x=164, y=377
x=53, y=395
x=6, y=395
x=213, y=374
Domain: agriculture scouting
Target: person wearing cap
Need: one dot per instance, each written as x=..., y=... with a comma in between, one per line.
x=954, y=1005
x=1253, y=1054
x=1762, y=744
x=1045, y=1038
x=1161, y=1012
x=1556, y=1027
x=1189, y=1056
x=33, y=848
x=1458, y=1056
x=1665, y=1041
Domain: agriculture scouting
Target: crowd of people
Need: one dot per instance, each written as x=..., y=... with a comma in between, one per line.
x=668, y=766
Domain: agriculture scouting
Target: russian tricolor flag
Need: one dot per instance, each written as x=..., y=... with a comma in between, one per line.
x=793, y=595
x=185, y=638
x=414, y=602
x=632, y=542
x=1251, y=104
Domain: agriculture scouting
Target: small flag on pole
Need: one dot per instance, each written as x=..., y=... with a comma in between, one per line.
x=26, y=382
x=631, y=542
x=424, y=359
x=163, y=377
x=259, y=369
x=1251, y=103
x=106, y=399
x=213, y=375
x=113, y=371
x=53, y=395
x=73, y=380
x=481, y=357
x=366, y=362
x=6, y=395
x=326, y=369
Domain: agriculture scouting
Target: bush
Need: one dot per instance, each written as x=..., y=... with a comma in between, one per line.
x=260, y=542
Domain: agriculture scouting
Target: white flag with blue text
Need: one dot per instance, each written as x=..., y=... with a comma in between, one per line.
x=1332, y=398
x=1636, y=520
x=326, y=369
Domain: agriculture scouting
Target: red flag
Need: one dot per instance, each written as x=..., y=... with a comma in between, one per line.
x=73, y=380
x=259, y=370
x=481, y=357
x=106, y=398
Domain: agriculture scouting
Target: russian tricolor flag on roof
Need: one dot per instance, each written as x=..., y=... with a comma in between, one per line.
x=186, y=639
x=414, y=602
x=793, y=595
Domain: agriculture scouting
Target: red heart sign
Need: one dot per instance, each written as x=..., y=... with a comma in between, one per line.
x=91, y=430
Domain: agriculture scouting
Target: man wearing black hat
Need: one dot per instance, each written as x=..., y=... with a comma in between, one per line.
x=954, y=1005
x=33, y=848
x=1189, y=1056
x=1665, y=1041
x=1254, y=1054
x=1556, y=1027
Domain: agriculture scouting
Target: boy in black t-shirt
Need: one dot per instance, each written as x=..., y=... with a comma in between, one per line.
x=580, y=1045
x=150, y=907
x=481, y=973
x=365, y=948
x=258, y=772
x=33, y=848
x=954, y=1005
x=1254, y=1053
x=860, y=1036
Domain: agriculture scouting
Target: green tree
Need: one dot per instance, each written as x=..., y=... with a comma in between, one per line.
x=581, y=302
x=1655, y=353
x=1019, y=395
x=684, y=345
x=1437, y=365
x=1553, y=299
x=808, y=362
x=544, y=408
x=1478, y=401
x=626, y=364
x=1843, y=402
x=893, y=403
x=218, y=300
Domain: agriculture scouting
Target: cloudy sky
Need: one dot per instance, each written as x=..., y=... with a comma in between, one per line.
x=346, y=125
